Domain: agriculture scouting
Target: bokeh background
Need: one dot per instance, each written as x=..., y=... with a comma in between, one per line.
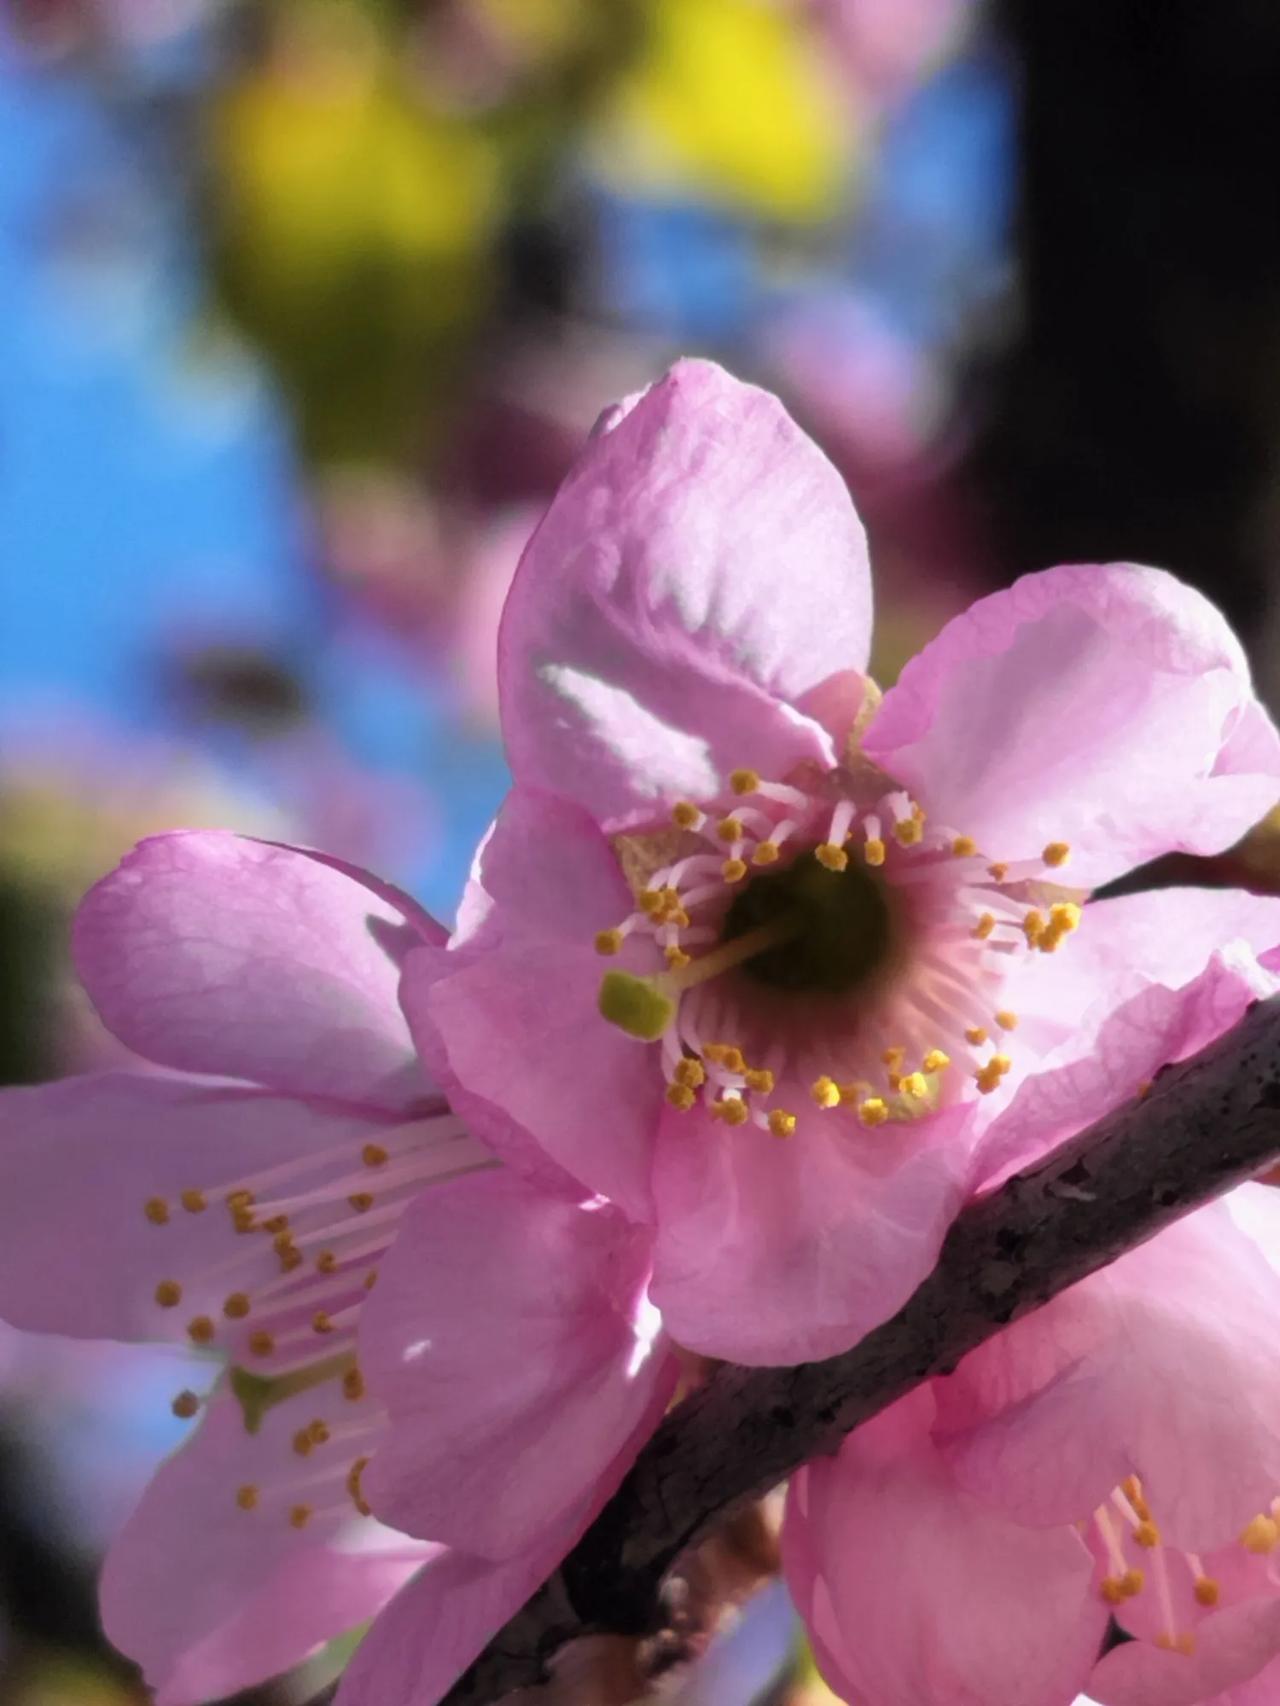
x=306, y=307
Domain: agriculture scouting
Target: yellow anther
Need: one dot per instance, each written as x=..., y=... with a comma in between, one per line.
x=689, y=1072
x=685, y=815
x=731, y=1109
x=910, y=830
x=676, y=958
x=156, y=1210
x=240, y=1200
x=874, y=1111
x=998, y=872
x=987, y=1078
x=1000, y=1063
x=873, y=850
x=1147, y=1534
x=1131, y=1487
x=353, y=1385
x=282, y=1243
x=744, y=781
x=781, y=1123
x=302, y=1442
x=759, y=1079
x=1131, y=1583
x=894, y=1058
x=733, y=870
x=1007, y=1020
x=321, y=1322
x=353, y=1485
x=1207, y=1591
x=766, y=853
x=650, y=902
x=326, y=1262
x=261, y=1343
x=277, y=1223
x=964, y=847
x=194, y=1202
x=185, y=1405
x=935, y=1061
x=1056, y=853
x=168, y=1294
x=975, y=1035
x=290, y=1259
x=730, y=829
x=319, y=1432
x=895, y=1082
x=681, y=1097
x=731, y=1058
x=374, y=1155
x=237, y=1306
x=608, y=941
x=1033, y=926
x=1065, y=915
x=985, y=925
x=1111, y=1590
x=1260, y=1535
x=247, y=1497
x=825, y=1092
x=200, y=1330
x=915, y=1084
x=831, y=857
x=299, y=1516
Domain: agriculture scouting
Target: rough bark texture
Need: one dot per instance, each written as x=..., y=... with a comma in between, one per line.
x=1206, y=1125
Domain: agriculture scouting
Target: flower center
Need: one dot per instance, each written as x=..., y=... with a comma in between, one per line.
x=821, y=931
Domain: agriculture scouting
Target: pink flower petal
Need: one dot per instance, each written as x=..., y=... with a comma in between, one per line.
x=210, y=1598
x=1234, y=1650
x=1160, y=1366
x=81, y=1160
x=1105, y=706
x=218, y=954
x=516, y=1039
x=932, y=1598
x=779, y=1250
x=511, y=1341
x=698, y=573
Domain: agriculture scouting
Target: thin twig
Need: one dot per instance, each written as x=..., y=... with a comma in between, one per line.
x=1207, y=1124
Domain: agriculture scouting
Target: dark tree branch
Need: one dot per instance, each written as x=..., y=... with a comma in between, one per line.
x=1208, y=1124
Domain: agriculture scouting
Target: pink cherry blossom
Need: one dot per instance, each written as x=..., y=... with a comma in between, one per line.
x=831, y=925
x=237, y=1196
x=1114, y=1455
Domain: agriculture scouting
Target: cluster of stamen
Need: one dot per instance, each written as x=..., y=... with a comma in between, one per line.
x=894, y=1045
x=304, y=1242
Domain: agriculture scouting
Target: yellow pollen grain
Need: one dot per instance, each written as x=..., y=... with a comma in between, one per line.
x=1147, y=1534
x=1065, y=915
x=733, y=870
x=326, y=1262
x=730, y=829
x=1056, y=853
x=759, y=1079
x=194, y=1202
x=374, y=1155
x=915, y=1084
x=1111, y=1590
x=766, y=853
x=1131, y=1583
x=283, y=1241
x=689, y=1072
x=247, y=1497
x=240, y=1199
x=321, y=1322
x=236, y=1307
x=1007, y=1020
x=681, y=1097
x=975, y=1035
x=1207, y=1591
x=731, y=1109
x=185, y=1405
x=302, y=1443
x=744, y=781
x=831, y=857
x=676, y=958
x=874, y=1111
x=319, y=1432
x=998, y=872
x=1260, y=1535
x=200, y=1330
x=731, y=1058
x=290, y=1259
x=1033, y=926
x=909, y=831
x=650, y=902
x=608, y=941
x=353, y=1385
x=168, y=1294
x=1000, y=1063
x=985, y=925
x=964, y=847
x=299, y=1516
x=894, y=1058
x=156, y=1210
x=685, y=815
x=781, y=1123
x=873, y=850
x=935, y=1061
x=261, y=1343
x=1131, y=1487
x=242, y=1220
x=362, y=1201
x=987, y=1078
x=825, y=1092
